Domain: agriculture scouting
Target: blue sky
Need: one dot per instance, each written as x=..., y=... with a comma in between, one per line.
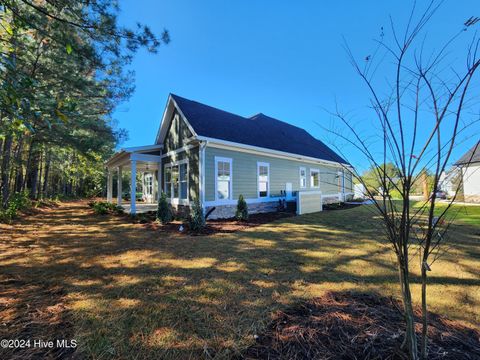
x=282, y=58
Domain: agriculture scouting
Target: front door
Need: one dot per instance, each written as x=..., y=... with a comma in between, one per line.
x=148, y=188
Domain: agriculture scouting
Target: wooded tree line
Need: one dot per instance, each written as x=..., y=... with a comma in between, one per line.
x=63, y=72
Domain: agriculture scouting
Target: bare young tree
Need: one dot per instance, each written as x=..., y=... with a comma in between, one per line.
x=423, y=118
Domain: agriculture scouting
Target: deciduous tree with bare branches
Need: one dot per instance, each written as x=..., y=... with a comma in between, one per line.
x=426, y=91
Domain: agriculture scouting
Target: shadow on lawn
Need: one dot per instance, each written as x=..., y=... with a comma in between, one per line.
x=133, y=292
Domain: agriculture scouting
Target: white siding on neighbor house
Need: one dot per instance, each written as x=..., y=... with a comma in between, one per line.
x=471, y=180
x=282, y=171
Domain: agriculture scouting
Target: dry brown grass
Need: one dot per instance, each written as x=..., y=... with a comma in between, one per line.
x=135, y=293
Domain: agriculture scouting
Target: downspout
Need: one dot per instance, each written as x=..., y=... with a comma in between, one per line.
x=201, y=170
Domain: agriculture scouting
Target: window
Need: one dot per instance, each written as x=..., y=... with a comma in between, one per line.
x=223, y=184
x=314, y=178
x=176, y=180
x=148, y=181
x=303, y=177
x=168, y=181
x=183, y=181
x=263, y=179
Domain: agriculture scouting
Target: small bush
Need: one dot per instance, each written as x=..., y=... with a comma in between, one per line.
x=242, y=209
x=164, y=214
x=196, y=220
x=103, y=208
x=17, y=202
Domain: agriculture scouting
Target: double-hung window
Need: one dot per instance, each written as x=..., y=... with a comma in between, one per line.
x=303, y=178
x=314, y=178
x=223, y=178
x=176, y=181
x=168, y=181
x=263, y=170
x=183, y=180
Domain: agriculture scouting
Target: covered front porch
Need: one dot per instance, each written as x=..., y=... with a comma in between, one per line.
x=143, y=166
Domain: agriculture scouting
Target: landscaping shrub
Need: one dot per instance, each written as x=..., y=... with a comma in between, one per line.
x=242, y=209
x=103, y=208
x=164, y=214
x=18, y=202
x=196, y=220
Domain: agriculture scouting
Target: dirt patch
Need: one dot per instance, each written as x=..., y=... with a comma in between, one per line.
x=29, y=312
x=348, y=325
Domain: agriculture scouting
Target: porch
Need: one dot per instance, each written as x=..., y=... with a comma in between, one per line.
x=140, y=207
x=143, y=164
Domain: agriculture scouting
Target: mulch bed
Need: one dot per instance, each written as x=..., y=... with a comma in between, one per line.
x=349, y=325
x=217, y=226
x=33, y=311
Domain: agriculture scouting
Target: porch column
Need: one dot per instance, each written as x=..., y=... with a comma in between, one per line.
x=159, y=181
x=119, y=186
x=133, y=187
x=109, y=185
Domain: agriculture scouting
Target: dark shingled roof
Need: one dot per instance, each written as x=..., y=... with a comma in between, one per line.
x=259, y=130
x=471, y=156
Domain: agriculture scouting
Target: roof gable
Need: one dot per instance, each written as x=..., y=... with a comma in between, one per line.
x=471, y=156
x=259, y=130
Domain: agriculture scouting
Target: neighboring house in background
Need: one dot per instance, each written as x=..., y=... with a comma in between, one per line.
x=469, y=165
x=449, y=181
x=214, y=156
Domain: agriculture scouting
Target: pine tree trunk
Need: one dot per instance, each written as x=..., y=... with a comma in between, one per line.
x=39, y=179
x=46, y=174
x=28, y=165
x=32, y=179
x=5, y=169
x=19, y=167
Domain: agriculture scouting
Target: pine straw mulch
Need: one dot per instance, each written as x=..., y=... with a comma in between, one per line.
x=348, y=325
x=216, y=226
x=33, y=311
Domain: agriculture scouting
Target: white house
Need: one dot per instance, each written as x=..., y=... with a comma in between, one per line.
x=469, y=165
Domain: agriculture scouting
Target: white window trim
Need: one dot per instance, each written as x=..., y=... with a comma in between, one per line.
x=230, y=193
x=177, y=201
x=300, y=176
x=313, y=170
x=258, y=179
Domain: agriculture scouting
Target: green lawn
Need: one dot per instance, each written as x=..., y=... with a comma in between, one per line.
x=137, y=293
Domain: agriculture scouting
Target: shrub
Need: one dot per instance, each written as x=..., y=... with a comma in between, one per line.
x=196, y=220
x=242, y=209
x=103, y=208
x=164, y=214
x=18, y=202
x=395, y=194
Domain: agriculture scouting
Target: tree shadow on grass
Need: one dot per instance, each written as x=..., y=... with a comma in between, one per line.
x=138, y=293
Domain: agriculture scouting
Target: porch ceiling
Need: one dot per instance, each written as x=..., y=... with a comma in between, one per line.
x=144, y=161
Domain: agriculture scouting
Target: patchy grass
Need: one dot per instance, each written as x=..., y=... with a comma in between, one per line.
x=133, y=292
